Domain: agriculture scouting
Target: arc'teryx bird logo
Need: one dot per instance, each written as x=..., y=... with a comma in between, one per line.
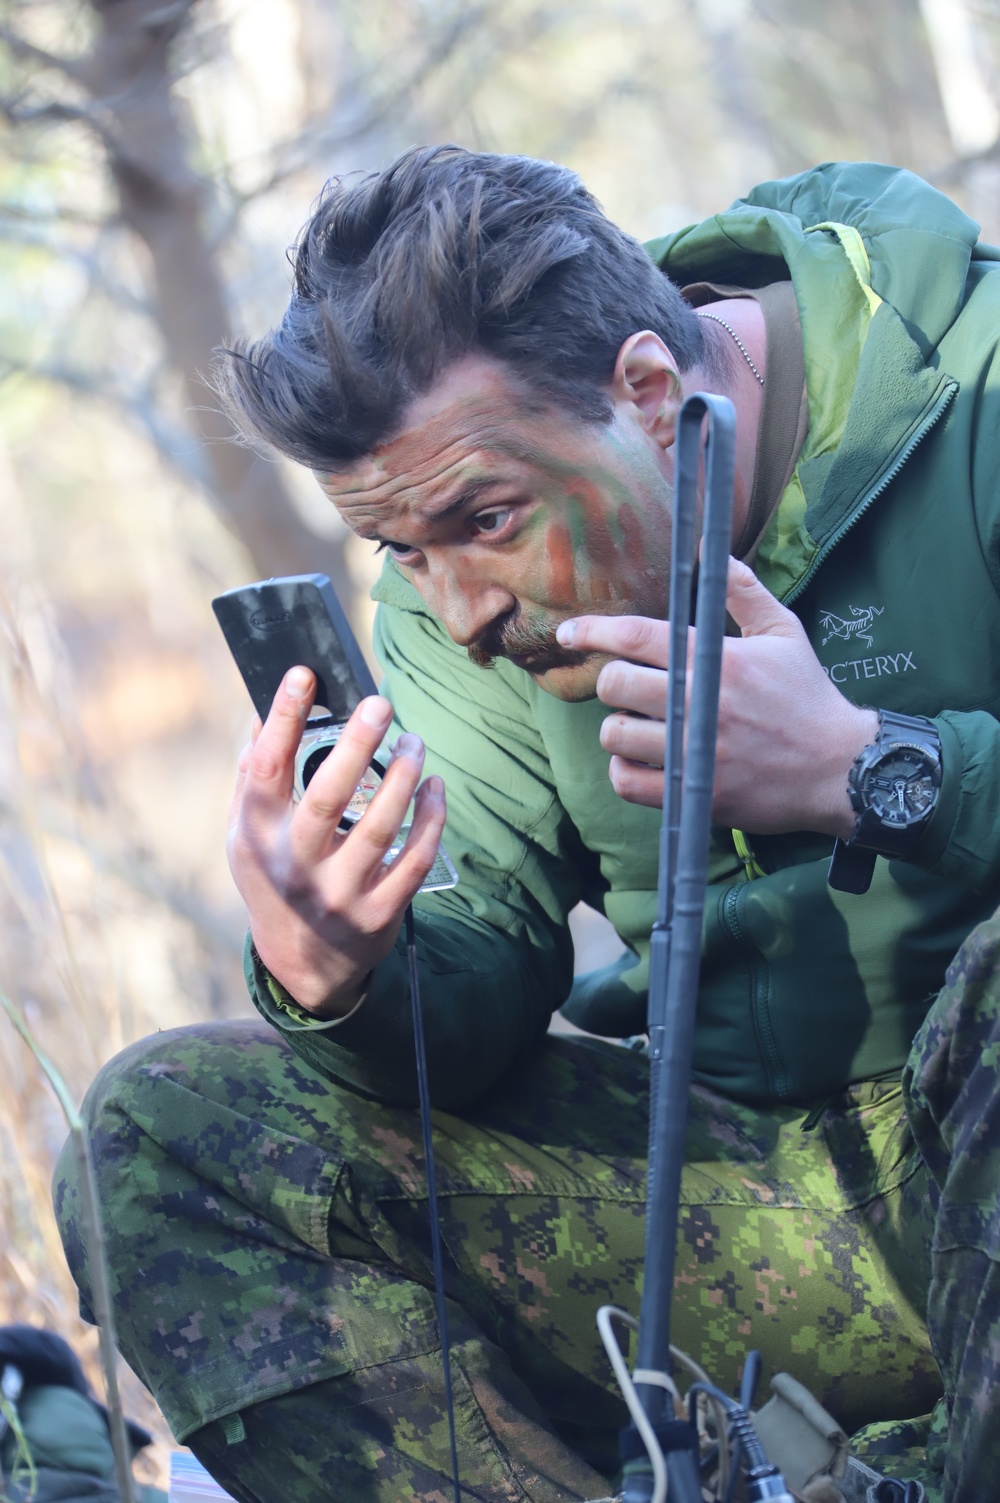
x=860, y=624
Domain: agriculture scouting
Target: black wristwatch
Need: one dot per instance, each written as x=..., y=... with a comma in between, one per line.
x=894, y=787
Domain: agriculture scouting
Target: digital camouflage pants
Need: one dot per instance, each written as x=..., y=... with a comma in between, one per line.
x=268, y=1237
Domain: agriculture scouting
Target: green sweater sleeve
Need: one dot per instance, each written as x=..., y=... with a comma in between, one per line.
x=495, y=955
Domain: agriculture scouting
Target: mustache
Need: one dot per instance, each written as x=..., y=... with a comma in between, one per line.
x=517, y=635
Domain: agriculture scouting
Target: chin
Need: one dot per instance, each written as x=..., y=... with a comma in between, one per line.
x=572, y=682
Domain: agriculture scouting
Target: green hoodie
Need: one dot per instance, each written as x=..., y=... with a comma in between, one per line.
x=886, y=546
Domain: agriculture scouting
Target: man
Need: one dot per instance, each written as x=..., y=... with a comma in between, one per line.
x=486, y=375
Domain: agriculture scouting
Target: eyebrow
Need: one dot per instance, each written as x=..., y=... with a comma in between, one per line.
x=466, y=497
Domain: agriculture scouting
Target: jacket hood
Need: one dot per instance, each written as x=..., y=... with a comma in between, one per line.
x=919, y=244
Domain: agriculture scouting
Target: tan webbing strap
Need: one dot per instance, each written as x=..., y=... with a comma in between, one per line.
x=800, y=1438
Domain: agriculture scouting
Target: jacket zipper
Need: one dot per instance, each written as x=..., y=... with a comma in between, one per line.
x=884, y=482
x=731, y=903
x=774, y=1065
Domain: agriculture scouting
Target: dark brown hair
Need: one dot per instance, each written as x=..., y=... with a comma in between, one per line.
x=444, y=253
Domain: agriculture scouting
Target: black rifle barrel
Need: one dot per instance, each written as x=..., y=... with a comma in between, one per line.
x=675, y=949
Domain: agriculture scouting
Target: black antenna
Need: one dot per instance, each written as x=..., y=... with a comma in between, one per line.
x=675, y=947
x=434, y=1215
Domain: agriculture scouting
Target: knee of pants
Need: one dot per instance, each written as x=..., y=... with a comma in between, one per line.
x=127, y=1113
x=952, y=1076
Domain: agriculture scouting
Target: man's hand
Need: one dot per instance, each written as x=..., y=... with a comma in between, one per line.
x=787, y=736
x=324, y=908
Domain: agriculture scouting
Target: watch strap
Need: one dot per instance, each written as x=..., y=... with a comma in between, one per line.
x=851, y=867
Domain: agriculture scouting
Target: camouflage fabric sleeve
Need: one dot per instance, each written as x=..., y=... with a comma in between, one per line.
x=268, y=1234
x=952, y=1083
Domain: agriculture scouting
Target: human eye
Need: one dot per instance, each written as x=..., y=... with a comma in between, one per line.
x=401, y=552
x=496, y=522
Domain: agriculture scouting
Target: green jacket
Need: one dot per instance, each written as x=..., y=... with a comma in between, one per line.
x=886, y=546
x=66, y=1436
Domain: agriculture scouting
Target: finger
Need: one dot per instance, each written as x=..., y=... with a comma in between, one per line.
x=378, y=829
x=256, y=726
x=638, y=638
x=241, y=777
x=627, y=686
x=271, y=763
x=408, y=871
x=637, y=784
x=640, y=741
x=321, y=808
x=754, y=608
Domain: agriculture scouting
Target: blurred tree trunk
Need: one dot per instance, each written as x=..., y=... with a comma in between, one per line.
x=129, y=75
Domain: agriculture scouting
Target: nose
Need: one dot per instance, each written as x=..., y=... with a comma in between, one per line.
x=465, y=603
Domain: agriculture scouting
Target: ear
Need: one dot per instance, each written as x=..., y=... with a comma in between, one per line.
x=646, y=376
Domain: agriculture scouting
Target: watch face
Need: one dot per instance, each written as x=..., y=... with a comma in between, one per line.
x=901, y=786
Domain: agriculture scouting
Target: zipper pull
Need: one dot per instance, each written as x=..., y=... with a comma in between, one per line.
x=745, y=852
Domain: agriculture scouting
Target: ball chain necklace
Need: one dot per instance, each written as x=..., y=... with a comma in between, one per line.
x=739, y=343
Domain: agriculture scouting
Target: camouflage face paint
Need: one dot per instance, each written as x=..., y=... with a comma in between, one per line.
x=561, y=557
x=509, y=518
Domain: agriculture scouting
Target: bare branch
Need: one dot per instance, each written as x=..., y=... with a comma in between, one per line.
x=23, y=48
x=173, y=442
x=89, y=382
x=325, y=135
x=57, y=112
x=166, y=17
x=54, y=111
x=57, y=216
x=29, y=230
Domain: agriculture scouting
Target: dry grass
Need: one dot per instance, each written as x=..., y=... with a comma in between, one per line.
x=116, y=915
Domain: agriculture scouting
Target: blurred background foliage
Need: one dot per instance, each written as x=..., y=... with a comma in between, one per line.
x=157, y=158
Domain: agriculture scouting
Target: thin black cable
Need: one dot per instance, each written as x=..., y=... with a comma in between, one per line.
x=423, y=1091
x=751, y=1377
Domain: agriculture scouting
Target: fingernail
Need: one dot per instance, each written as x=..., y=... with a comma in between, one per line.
x=435, y=790
x=565, y=632
x=408, y=745
x=375, y=711
x=297, y=682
